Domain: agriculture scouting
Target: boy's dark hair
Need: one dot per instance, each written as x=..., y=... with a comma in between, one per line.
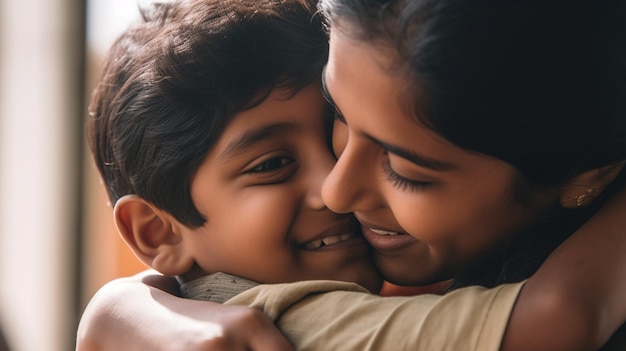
x=538, y=84
x=172, y=83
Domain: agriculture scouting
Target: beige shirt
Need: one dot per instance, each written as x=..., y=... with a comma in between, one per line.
x=331, y=315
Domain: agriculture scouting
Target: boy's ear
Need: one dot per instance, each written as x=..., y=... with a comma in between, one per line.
x=583, y=189
x=150, y=234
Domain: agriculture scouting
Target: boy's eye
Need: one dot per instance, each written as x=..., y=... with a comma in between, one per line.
x=271, y=164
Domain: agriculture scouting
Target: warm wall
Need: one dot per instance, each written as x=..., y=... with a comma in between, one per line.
x=105, y=255
x=41, y=52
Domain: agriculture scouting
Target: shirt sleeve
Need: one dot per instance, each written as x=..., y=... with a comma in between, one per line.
x=327, y=315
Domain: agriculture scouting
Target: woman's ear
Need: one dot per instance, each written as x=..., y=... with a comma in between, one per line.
x=583, y=189
x=150, y=234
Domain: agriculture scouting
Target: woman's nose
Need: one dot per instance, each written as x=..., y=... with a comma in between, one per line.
x=349, y=186
x=316, y=176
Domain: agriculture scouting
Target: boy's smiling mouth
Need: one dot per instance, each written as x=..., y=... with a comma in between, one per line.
x=340, y=235
x=329, y=240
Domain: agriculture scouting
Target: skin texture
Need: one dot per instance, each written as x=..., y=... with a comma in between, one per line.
x=448, y=206
x=259, y=189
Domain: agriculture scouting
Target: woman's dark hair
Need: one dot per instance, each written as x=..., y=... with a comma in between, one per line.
x=172, y=83
x=538, y=84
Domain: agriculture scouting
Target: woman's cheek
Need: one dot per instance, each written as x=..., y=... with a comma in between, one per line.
x=412, y=220
x=421, y=217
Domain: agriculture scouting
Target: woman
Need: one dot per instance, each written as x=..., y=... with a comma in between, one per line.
x=472, y=141
x=503, y=130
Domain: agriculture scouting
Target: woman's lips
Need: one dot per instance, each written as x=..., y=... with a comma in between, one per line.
x=386, y=240
x=384, y=232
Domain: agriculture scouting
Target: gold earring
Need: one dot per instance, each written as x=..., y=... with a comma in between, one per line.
x=581, y=199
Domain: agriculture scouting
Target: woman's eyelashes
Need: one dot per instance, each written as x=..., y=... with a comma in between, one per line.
x=338, y=116
x=397, y=180
x=335, y=113
x=325, y=92
x=401, y=182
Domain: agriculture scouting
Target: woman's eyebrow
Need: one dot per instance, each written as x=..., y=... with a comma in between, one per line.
x=252, y=137
x=412, y=156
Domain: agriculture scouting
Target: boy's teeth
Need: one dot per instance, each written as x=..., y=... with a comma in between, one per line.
x=336, y=239
x=383, y=232
x=331, y=240
x=312, y=245
x=316, y=244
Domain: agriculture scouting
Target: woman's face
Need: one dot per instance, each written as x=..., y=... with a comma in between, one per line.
x=427, y=207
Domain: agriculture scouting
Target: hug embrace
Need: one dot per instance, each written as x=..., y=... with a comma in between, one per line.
x=282, y=159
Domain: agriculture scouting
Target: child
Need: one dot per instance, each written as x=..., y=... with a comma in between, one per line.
x=209, y=131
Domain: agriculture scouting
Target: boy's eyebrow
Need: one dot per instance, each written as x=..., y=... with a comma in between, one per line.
x=416, y=158
x=254, y=136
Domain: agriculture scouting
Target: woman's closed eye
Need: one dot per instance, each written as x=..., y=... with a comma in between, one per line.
x=329, y=99
x=338, y=116
x=401, y=182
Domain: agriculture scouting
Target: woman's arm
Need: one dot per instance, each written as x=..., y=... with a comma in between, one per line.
x=576, y=301
x=141, y=313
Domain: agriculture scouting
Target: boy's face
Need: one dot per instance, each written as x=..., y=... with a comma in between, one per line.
x=259, y=188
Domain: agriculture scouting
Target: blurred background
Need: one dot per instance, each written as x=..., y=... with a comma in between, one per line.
x=57, y=242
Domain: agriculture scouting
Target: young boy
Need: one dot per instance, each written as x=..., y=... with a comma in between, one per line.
x=209, y=130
